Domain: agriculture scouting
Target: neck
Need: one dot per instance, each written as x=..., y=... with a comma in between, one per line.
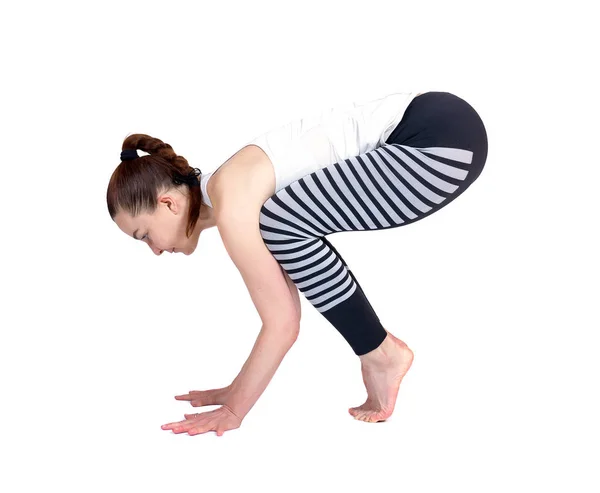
x=207, y=218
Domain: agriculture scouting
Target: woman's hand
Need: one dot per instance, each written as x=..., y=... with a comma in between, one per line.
x=237, y=399
x=198, y=398
x=219, y=420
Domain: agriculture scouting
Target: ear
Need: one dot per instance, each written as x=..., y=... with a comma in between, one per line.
x=169, y=201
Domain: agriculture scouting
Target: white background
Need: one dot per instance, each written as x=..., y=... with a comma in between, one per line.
x=497, y=293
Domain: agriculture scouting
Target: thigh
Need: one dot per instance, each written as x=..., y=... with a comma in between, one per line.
x=388, y=187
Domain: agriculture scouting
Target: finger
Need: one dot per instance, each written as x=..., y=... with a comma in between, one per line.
x=172, y=426
x=192, y=394
x=184, y=426
x=201, y=428
x=184, y=429
x=168, y=426
x=216, y=420
x=206, y=398
x=200, y=398
x=191, y=420
x=180, y=424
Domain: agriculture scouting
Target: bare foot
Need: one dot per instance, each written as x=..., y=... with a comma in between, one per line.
x=382, y=371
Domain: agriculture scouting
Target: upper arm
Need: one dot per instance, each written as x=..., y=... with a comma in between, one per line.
x=262, y=274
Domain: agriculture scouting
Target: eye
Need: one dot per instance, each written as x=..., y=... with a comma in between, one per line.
x=145, y=236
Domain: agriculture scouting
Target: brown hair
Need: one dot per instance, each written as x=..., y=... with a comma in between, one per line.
x=135, y=184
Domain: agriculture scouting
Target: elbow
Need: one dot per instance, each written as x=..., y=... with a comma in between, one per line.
x=287, y=332
x=295, y=331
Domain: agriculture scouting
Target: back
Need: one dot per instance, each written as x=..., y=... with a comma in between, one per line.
x=305, y=145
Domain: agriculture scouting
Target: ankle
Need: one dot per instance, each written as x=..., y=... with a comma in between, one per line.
x=380, y=355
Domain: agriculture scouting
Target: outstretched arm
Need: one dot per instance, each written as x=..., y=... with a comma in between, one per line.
x=273, y=298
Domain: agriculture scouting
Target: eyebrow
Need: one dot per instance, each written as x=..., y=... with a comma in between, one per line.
x=135, y=235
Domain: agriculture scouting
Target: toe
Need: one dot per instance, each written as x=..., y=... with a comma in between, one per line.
x=371, y=415
x=379, y=416
x=355, y=410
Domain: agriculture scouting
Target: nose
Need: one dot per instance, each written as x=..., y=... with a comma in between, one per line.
x=156, y=251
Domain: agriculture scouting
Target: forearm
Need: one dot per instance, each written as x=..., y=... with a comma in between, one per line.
x=269, y=350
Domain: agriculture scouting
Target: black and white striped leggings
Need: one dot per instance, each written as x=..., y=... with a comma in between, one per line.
x=432, y=156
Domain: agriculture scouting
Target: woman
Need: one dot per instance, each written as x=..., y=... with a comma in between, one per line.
x=377, y=165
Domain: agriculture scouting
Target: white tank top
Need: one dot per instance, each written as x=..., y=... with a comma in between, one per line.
x=204, y=177
x=303, y=146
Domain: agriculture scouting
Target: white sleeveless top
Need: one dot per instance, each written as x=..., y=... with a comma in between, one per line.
x=204, y=177
x=314, y=142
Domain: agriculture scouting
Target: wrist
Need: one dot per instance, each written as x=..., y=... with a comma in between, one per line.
x=239, y=400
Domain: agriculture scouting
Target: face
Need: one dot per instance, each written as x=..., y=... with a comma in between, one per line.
x=164, y=229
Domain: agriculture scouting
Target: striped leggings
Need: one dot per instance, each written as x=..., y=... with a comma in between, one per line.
x=432, y=156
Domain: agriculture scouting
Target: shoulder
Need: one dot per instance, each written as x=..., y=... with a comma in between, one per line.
x=243, y=183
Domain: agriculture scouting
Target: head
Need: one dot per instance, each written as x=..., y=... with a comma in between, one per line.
x=153, y=197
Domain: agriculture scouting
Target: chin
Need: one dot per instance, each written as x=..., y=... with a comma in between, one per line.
x=189, y=252
x=192, y=248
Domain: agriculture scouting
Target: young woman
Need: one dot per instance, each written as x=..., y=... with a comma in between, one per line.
x=371, y=166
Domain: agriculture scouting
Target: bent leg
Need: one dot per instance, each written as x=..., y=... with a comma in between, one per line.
x=320, y=273
x=390, y=186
